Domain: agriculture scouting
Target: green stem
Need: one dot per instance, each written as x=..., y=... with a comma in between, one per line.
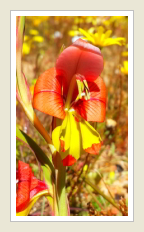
x=97, y=190
x=55, y=199
x=22, y=89
x=62, y=198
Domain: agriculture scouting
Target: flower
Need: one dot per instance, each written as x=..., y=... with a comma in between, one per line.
x=102, y=39
x=29, y=189
x=74, y=93
x=124, y=69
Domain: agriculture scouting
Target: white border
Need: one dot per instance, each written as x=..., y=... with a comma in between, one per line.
x=130, y=115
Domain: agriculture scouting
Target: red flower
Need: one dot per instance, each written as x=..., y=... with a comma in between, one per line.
x=28, y=186
x=75, y=88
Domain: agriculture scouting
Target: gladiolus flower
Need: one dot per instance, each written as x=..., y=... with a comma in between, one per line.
x=74, y=92
x=29, y=189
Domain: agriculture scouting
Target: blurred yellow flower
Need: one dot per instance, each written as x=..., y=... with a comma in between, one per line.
x=102, y=39
x=26, y=48
x=26, y=38
x=33, y=32
x=124, y=69
x=38, y=38
x=73, y=33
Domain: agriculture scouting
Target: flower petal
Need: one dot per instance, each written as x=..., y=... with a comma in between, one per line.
x=93, y=109
x=91, y=140
x=48, y=94
x=80, y=58
x=67, y=139
x=26, y=211
x=65, y=133
x=23, y=196
x=28, y=187
x=34, y=182
x=39, y=188
x=69, y=160
x=94, y=149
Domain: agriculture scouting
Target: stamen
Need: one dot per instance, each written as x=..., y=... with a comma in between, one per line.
x=83, y=90
x=79, y=88
x=86, y=89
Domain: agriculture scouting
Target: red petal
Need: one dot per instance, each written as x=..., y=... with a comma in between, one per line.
x=34, y=183
x=28, y=186
x=40, y=187
x=48, y=94
x=24, y=171
x=62, y=143
x=93, y=109
x=23, y=196
x=94, y=149
x=69, y=160
x=80, y=58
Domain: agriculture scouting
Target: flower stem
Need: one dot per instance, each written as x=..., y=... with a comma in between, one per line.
x=62, y=198
x=22, y=89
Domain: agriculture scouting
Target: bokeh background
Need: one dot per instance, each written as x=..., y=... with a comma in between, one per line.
x=45, y=37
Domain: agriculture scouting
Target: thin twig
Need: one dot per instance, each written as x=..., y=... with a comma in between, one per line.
x=102, y=194
x=94, y=197
x=73, y=187
x=105, y=185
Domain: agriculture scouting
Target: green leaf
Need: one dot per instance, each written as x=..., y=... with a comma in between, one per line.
x=47, y=166
x=40, y=155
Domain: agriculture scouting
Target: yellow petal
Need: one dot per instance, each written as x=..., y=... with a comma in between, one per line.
x=69, y=133
x=100, y=32
x=75, y=141
x=87, y=35
x=55, y=137
x=108, y=34
x=66, y=132
x=89, y=135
